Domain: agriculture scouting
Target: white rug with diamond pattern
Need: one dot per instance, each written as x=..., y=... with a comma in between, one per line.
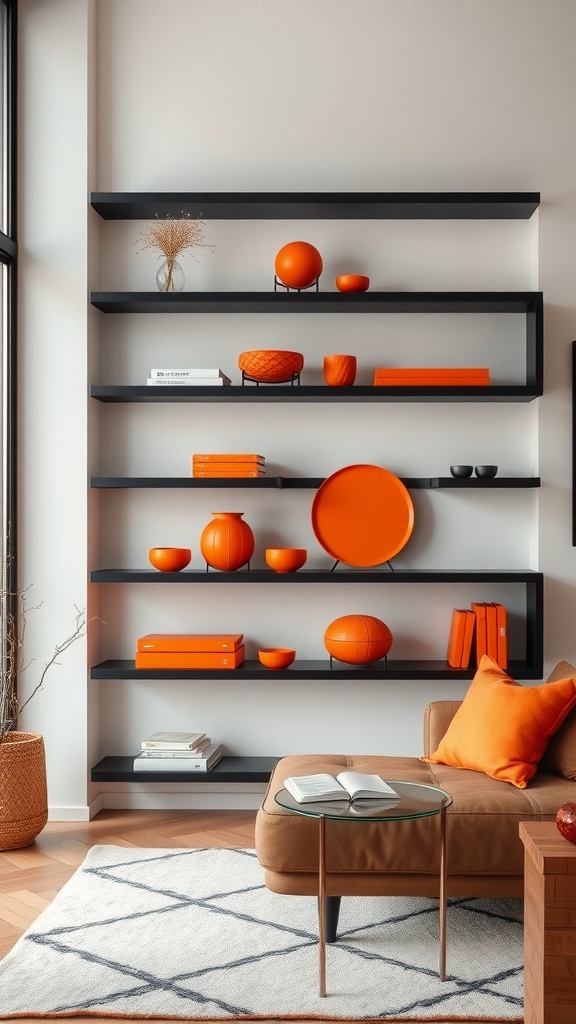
x=195, y=934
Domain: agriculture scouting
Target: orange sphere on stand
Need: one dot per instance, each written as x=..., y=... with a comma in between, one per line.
x=358, y=639
x=298, y=264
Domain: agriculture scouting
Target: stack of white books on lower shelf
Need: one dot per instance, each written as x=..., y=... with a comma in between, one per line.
x=177, y=752
x=195, y=376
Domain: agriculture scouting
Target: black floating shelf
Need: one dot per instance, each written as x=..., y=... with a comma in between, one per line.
x=302, y=482
x=316, y=302
x=408, y=670
x=317, y=205
x=341, y=574
x=229, y=769
x=312, y=393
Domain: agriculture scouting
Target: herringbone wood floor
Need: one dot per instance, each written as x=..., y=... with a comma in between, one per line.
x=30, y=878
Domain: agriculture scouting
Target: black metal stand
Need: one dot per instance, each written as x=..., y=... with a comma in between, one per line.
x=294, y=378
x=280, y=284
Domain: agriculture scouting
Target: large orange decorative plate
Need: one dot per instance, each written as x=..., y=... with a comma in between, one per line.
x=362, y=515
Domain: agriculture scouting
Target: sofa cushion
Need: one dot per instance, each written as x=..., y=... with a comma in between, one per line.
x=560, y=754
x=502, y=728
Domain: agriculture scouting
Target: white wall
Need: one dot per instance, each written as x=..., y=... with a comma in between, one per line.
x=257, y=96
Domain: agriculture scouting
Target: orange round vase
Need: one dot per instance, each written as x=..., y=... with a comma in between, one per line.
x=298, y=264
x=358, y=639
x=339, y=371
x=227, y=542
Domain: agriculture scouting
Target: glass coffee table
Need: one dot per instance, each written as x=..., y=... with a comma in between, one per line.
x=414, y=801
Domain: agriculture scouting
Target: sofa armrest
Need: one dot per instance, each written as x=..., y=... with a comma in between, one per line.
x=437, y=718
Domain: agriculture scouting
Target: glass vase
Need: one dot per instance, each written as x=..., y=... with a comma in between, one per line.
x=170, y=277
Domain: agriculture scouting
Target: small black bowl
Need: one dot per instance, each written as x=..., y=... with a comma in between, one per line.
x=461, y=471
x=487, y=472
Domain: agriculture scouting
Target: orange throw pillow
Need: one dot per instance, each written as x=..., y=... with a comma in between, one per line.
x=502, y=728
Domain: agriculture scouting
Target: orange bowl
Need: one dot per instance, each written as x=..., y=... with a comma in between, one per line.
x=286, y=559
x=170, y=559
x=276, y=657
x=352, y=283
x=270, y=365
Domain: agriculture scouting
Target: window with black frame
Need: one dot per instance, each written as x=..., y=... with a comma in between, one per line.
x=8, y=362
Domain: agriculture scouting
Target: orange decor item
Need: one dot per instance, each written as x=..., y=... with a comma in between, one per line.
x=271, y=365
x=190, y=659
x=276, y=657
x=178, y=643
x=352, y=283
x=227, y=542
x=298, y=264
x=362, y=515
x=358, y=639
x=170, y=559
x=339, y=371
x=286, y=559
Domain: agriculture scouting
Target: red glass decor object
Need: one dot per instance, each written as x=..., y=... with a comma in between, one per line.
x=358, y=639
x=227, y=542
x=566, y=821
x=271, y=365
x=339, y=371
x=298, y=264
x=170, y=559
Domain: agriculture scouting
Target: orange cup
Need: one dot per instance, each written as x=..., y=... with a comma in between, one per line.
x=339, y=371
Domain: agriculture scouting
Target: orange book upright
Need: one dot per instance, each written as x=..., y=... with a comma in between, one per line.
x=456, y=637
x=479, y=610
x=468, y=638
x=502, y=631
x=491, y=632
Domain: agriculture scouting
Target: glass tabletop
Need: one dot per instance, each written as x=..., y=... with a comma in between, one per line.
x=414, y=800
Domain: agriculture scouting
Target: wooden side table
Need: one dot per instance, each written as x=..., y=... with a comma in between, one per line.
x=549, y=924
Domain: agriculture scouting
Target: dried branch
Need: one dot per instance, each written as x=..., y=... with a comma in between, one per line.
x=172, y=236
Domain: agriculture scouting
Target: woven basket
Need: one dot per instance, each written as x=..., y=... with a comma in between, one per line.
x=23, y=794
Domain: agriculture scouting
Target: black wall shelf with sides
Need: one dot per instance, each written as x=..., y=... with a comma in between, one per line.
x=317, y=205
x=301, y=482
x=119, y=768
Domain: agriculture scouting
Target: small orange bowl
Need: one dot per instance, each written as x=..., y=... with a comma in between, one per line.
x=352, y=283
x=170, y=559
x=276, y=657
x=286, y=559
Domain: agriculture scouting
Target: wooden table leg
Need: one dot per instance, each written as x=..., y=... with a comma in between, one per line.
x=322, y=906
x=442, y=908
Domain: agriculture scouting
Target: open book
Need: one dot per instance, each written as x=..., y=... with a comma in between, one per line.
x=346, y=785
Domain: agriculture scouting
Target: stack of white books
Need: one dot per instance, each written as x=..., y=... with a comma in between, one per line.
x=177, y=752
x=195, y=376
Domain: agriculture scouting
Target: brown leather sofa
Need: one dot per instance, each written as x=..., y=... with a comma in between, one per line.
x=484, y=852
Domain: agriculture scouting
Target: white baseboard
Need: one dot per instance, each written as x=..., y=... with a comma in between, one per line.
x=160, y=797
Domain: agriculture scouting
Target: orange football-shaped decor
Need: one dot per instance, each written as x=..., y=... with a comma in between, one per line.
x=170, y=559
x=339, y=371
x=358, y=639
x=227, y=542
x=298, y=264
x=271, y=365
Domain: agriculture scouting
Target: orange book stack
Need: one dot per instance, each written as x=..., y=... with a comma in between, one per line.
x=228, y=464
x=190, y=650
x=431, y=376
x=491, y=631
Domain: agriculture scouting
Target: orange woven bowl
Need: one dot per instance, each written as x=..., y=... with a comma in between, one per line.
x=276, y=657
x=270, y=365
x=286, y=559
x=358, y=639
x=170, y=559
x=352, y=283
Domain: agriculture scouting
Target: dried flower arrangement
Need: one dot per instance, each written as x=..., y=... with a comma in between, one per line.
x=173, y=236
x=13, y=666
